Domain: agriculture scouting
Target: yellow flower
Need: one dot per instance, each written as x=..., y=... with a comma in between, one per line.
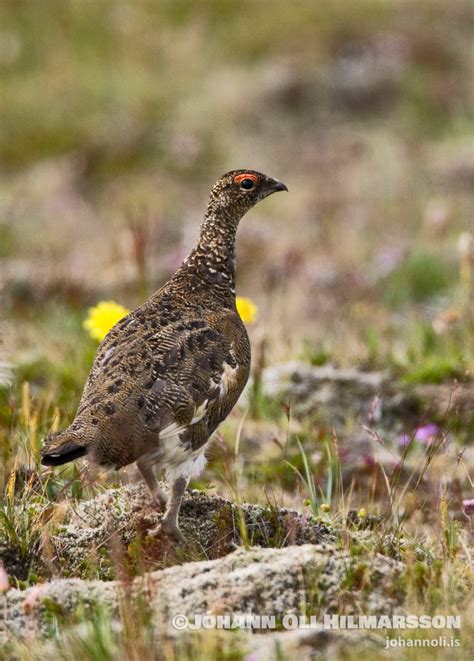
x=246, y=309
x=102, y=318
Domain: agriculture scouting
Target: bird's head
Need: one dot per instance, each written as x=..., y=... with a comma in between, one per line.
x=238, y=191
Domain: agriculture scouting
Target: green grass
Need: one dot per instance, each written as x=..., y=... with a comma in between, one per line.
x=422, y=276
x=435, y=369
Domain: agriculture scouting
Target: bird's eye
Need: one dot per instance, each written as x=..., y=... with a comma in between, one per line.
x=247, y=184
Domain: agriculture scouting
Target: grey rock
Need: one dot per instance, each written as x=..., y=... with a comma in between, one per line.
x=328, y=391
x=307, y=645
x=335, y=395
x=258, y=581
x=112, y=534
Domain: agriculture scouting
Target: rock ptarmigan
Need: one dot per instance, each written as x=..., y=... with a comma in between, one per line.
x=168, y=373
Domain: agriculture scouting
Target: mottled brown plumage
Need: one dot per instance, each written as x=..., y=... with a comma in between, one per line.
x=167, y=374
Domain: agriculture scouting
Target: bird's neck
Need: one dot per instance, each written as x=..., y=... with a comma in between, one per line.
x=212, y=262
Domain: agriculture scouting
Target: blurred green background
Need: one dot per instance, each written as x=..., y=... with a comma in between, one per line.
x=118, y=116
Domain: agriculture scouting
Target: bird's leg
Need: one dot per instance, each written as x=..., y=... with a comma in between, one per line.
x=169, y=522
x=150, y=478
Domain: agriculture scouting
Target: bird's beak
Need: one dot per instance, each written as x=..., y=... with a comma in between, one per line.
x=276, y=186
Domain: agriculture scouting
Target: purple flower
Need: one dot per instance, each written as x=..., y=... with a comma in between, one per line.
x=404, y=440
x=427, y=433
x=388, y=259
x=369, y=461
x=468, y=507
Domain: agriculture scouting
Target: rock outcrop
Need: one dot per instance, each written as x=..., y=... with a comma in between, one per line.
x=260, y=581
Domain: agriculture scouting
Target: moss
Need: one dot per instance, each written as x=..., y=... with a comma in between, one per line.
x=435, y=369
x=51, y=607
x=355, y=576
x=421, y=276
x=420, y=577
x=399, y=587
x=316, y=354
x=314, y=593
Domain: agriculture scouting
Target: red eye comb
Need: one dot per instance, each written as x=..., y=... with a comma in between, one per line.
x=241, y=177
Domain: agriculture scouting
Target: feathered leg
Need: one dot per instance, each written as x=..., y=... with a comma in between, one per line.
x=169, y=522
x=150, y=478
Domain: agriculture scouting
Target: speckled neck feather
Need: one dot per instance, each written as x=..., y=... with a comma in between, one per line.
x=212, y=262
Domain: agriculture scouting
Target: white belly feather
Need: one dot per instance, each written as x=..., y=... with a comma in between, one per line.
x=175, y=458
x=171, y=455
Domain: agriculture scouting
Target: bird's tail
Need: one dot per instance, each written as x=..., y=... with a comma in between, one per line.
x=61, y=447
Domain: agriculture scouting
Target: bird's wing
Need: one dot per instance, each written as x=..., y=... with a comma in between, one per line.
x=186, y=377
x=165, y=383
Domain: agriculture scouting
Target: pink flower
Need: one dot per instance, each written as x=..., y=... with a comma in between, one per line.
x=369, y=461
x=468, y=507
x=404, y=440
x=427, y=433
x=32, y=599
x=4, y=582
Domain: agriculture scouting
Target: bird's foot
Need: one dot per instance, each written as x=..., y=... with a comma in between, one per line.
x=171, y=530
x=169, y=523
x=160, y=500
